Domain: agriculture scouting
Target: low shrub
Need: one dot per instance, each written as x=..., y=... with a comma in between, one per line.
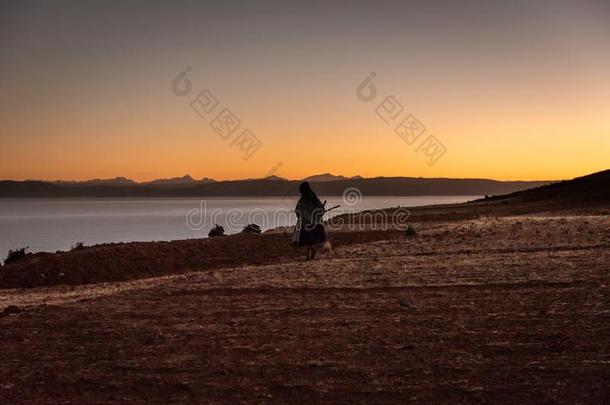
x=251, y=228
x=78, y=246
x=15, y=255
x=410, y=231
x=216, y=231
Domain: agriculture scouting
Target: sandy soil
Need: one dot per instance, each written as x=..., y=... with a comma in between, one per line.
x=487, y=310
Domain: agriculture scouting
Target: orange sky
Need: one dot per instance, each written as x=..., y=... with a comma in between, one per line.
x=512, y=91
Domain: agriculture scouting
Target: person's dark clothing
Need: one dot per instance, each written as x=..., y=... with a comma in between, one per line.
x=309, y=229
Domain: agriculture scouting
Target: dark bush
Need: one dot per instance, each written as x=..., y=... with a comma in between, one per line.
x=11, y=310
x=216, y=231
x=78, y=246
x=14, y=255
x=251, y=228
x=410, y=231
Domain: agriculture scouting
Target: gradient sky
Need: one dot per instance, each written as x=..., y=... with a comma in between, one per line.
x=514, y=90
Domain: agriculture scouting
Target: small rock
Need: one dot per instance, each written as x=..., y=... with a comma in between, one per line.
x=405, y=302
x=11, y=309
x=251, y=228
x=182, y=385
x=410, y=231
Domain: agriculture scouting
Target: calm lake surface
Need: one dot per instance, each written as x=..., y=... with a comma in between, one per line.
x=57, y=224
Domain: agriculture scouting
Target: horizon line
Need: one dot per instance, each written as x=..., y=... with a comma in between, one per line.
x=280, y=178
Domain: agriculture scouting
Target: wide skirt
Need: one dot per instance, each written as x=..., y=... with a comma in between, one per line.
x=308, y=237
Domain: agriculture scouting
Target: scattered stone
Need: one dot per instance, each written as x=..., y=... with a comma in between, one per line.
x=251, y=228
x=11, y=309
x=182, y=385
x=405, y=302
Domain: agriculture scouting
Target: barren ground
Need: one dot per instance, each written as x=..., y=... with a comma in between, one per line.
x=487, y=310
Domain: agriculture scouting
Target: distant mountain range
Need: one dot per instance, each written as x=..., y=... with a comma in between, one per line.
x=324, y=184
x=123, y=181
x=117, y=181
x=329, y=177
x=184, y=181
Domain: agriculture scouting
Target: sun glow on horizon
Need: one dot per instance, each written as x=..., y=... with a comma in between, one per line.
x=81, y=102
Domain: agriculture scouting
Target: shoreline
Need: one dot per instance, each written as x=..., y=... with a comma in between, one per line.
x=98, y=263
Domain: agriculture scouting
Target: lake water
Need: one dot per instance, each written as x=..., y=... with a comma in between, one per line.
x=57, y=224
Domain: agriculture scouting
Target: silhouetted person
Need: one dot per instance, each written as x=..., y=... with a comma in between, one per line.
x=309, y=230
